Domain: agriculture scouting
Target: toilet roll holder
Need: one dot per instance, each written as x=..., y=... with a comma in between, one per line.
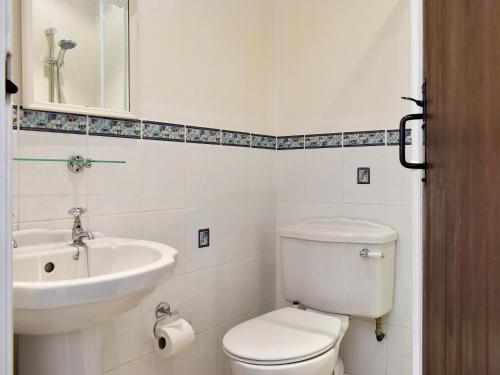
x=164, y=314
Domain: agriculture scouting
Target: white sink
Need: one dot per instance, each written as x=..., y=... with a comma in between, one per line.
x=110, y=278
x=54, y=293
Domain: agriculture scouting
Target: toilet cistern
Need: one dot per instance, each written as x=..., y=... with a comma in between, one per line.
x=330, y=266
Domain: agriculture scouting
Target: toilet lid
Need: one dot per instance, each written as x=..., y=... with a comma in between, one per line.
x=282, y=336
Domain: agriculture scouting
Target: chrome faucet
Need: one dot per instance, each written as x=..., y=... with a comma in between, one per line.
x=77, y=233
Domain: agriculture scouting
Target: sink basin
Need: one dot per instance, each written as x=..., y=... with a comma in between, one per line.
x=54, y=293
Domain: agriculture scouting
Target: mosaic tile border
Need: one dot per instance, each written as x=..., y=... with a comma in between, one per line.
x=393, y=137
x=263, y=141
x=36, y=120
x=326, y=140
x=161, y=131
x=292, y=142
x=52, y=121
x=210, y=136
x=232, y=138
x=113, y=127
x=364, y=138
x=14, y=117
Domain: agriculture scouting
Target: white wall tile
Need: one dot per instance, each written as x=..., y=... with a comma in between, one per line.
x=52, y=224
x=162, y=175
x=204, y=298
x=231, y=191
x=366, y=212
x=202, y=218
x=126, y=226
x=363, y=354
x=262, y=168
x=122, y=339
x=290, y=175
x=151, y=365
x=401, y=313
x=399, y=217
x=167, y=227
x=398, y=178
x=48, y=190
x=237, y=281
x=236, y=167
x=371, y=157
x=324, y=174
x=289, y=213
x=286, y=213
x=262, y=229
x=204, y=175
x=139, y=366
x=399, y=353
x=164, y=366
x=313, y=210
x=236, y=241
x=114, y=188
x=262, y=283
x=205, y=355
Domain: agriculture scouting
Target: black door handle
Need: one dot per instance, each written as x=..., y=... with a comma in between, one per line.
x=10, y=87
x=402, y=129
x=402, y=141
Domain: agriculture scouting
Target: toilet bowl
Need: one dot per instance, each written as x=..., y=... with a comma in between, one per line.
x=328, y=264
x=287, y=341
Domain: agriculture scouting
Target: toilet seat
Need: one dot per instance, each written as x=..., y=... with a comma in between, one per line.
x=282, y=336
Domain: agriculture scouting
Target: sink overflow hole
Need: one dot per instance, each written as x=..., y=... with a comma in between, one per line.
x=49, y=267
x=162, y=343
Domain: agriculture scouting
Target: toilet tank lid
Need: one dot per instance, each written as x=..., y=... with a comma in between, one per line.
x=340, y=229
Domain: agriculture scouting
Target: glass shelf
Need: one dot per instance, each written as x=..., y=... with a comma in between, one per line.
x=75, y=163
x=83, y=161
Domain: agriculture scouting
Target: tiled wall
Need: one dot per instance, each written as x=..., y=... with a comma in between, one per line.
x=316, y=176
x=165, y=192
x=179, y=179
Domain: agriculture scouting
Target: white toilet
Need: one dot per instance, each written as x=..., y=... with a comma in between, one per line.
x=329, y=266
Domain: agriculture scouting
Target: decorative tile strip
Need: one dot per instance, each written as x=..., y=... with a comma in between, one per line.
x=163, y=131
x=230, y=138
x=263, y=141
x=292, y=142
x=364, y=138
x=52, y=122
x=196, y=134
x=14, y=116
x=393, y=137
x=324, y=140
x=112, y=127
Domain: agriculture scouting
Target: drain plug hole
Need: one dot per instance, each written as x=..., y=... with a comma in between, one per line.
x=49, y=267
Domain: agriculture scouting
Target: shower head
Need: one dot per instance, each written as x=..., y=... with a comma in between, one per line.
x=67, y=44
x=64, y=44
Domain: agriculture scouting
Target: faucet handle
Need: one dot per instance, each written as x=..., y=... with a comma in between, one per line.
x=77, y=211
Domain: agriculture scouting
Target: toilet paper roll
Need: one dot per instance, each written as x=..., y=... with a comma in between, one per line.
x=172, y=338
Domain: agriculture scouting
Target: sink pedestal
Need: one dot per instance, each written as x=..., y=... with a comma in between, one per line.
x=75, y=353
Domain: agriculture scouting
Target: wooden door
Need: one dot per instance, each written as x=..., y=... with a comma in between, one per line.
x=461, y=334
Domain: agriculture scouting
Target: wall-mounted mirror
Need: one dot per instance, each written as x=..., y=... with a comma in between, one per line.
x=77, y=55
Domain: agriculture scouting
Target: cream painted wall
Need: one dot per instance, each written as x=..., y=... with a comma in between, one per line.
x=281, y=67
x=202, y=63
x=207, y=63
x=342, y=65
